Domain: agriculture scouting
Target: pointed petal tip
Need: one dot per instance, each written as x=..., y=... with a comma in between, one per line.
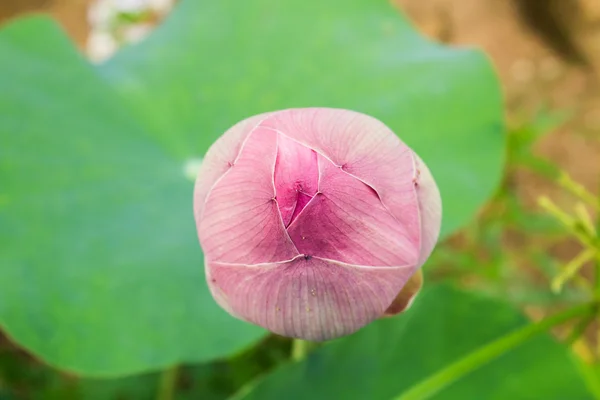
x=430, y=210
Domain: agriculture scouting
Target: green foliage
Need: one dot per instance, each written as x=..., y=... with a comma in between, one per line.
x=23, y=378
x=498, y=253
x=98, y=246
x=387, y=358
x=522, y=139
x=101, y=271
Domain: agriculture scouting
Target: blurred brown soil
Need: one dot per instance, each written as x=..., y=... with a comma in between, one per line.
x=534, y=73
x=72, y=14
x=547, y=54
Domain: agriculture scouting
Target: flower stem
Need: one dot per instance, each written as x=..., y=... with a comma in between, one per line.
x=167, y=384
x=572, y=268
x=433, y=384
x=579, y=329
x=299, y=349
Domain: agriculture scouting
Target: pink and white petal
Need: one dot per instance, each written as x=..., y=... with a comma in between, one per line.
x=312, y=299
x=340, y=135
x=216, y=292
x=241, y=222
x=296, y=175
x=346, y=221
x=219, y=157
x=430, y=210
x=363, y=147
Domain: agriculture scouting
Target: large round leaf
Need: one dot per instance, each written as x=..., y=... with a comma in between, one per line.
x=100, y=270
x=215, y=62
x=389, y=356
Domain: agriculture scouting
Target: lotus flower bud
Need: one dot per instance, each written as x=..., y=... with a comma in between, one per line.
x=313, y=220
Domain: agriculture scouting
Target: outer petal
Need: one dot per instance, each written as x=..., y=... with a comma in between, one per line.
x=241, y=222
x=430, y=210
x=219, y=158
x=312, y=299
x=346, y=221
x=364, y=148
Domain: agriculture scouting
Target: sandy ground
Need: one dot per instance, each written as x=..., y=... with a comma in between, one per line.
x=71, y=13
x=533, y=76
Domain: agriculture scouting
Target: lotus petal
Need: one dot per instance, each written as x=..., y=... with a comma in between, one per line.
x=312, y=221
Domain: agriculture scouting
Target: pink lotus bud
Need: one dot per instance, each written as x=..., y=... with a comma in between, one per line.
x=313, y=220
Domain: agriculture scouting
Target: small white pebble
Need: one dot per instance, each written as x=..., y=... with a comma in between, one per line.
x=100, y=14
x=100, y=46
x=130, y=6
x=191, y=167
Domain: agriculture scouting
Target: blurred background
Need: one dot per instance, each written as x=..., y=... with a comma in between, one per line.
x=547, y=54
